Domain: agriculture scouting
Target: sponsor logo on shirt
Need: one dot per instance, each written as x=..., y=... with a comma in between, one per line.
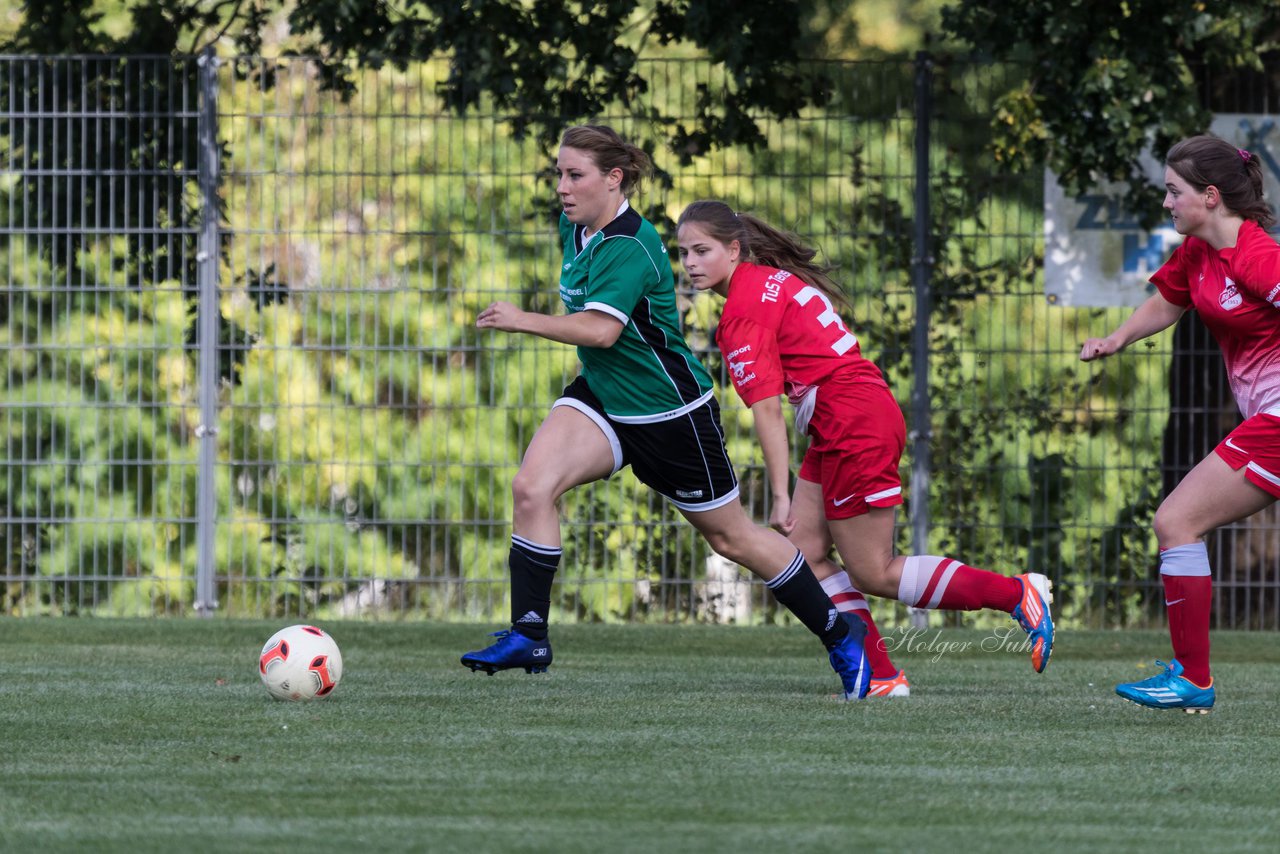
x=736, y=353
x=1230, y=298
x=1274, y=296
x=739, y=370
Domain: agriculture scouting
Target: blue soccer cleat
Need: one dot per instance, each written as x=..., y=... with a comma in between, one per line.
x=1169, y=690
x=1032, y=613
x=849, y=659
x=512, y=650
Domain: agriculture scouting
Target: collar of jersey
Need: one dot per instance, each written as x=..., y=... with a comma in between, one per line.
x=621, y=210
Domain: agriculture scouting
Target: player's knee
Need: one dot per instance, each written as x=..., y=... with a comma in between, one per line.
x=529, y=491
x=1173, y=528
x=881, y=585
x=723, y=544
x=814, y=548
x=874, y=578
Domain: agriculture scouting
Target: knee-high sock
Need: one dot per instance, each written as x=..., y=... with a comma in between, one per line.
x=849, y=599
x=797, y=588
x=533, y=568
x=929, y=581
x=1188, y=597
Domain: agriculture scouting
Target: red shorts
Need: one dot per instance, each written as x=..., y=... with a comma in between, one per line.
x=856, y=439
x=1255, y=447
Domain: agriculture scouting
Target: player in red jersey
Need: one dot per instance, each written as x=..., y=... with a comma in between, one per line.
x=642, y=400
x=1228, y=270
x=780, y=333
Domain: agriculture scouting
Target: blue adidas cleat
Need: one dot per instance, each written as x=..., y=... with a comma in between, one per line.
x=512, y=650
x=849, y=659
x=1032, y=613
x=1169, y=690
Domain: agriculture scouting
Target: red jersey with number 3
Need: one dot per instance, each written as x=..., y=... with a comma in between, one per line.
x=780, y=335
x=1237, y=294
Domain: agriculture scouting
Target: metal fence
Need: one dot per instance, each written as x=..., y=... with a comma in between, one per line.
x=241, y=374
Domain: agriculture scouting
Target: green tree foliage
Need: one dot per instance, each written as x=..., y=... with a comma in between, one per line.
x=543, y=61
x=278, y=520
x=1107, y=81
x=358, y=414
x=538, y=62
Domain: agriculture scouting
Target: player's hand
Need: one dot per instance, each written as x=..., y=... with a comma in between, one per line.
x=781, y=518
x=1097, y=348
x=502, y=316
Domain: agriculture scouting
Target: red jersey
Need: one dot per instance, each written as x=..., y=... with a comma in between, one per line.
x=1237, y=293
x=780, y=335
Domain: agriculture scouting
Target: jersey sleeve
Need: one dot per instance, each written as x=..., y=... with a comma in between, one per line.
x=621, y=274
x=751, y=354
x=1171, y=280
x=1254, y=266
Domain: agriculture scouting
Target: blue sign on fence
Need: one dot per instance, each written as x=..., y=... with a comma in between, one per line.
x=1096, y=254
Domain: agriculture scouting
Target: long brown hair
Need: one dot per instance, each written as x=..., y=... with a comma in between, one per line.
x=1207, y=160
x=610, y=151
x=764, y=244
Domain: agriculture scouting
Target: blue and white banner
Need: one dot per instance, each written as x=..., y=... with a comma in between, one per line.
x=1095, y=253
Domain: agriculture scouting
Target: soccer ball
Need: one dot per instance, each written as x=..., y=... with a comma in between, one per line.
x=300, y=663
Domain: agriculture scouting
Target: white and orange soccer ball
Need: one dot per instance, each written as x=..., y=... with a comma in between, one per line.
x=300, y=663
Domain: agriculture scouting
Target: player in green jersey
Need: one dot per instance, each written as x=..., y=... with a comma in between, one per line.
x=642, y=400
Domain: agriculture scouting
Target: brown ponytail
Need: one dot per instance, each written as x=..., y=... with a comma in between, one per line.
x=764, y=244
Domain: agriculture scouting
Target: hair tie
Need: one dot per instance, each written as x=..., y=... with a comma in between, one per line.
x=1244, y=155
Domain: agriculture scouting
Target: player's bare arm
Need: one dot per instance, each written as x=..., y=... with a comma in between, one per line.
x=771, y=429
x=583, y=329
x=1154, y=315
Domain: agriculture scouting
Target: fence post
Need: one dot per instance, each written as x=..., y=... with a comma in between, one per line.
x=207, y=334
x=921, y=268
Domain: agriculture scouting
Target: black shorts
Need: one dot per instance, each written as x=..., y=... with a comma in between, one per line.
x=683, y=458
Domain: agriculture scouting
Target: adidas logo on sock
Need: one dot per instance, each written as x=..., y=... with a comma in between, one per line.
x=530, y=617
x=832, y=616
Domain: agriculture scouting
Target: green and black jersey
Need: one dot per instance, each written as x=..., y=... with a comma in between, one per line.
x=649, y=374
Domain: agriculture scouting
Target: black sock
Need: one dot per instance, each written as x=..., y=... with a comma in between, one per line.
x=799, y=590
x=533, y=568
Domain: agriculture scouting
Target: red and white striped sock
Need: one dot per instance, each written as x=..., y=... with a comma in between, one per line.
x=848, y=599
x=929, y=581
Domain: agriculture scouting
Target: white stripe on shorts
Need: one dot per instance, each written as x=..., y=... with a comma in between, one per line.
x=1263, y=473
x=605, y=427
x=706, y=505
x=884, y=493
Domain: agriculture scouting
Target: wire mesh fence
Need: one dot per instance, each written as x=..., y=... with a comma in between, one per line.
x=239, y=347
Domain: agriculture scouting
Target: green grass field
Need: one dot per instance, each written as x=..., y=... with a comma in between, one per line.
x=156, y=735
